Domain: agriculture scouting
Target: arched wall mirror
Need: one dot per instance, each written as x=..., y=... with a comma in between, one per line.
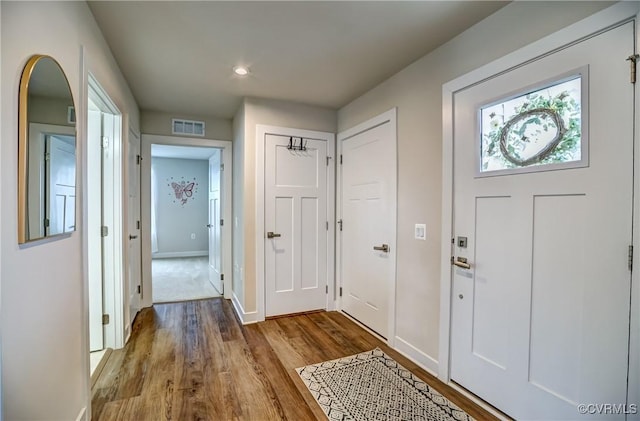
x=46, y=152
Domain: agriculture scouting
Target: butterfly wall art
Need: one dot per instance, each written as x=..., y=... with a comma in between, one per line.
x=183, y=190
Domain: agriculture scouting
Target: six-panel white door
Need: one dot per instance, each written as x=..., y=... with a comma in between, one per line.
x=296, y=217
x=540, y=322
x=368, y=221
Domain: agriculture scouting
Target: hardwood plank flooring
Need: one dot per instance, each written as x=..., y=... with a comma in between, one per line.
x=195, y=361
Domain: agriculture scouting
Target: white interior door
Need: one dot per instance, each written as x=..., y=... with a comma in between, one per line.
x=540, y=320
x=215, y=228
x=94, y=222
x=135, y=255
x=368, y=225
x=296, y=218
x=61, y=184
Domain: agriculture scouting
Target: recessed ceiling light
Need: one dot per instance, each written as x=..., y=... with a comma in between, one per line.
x=241, y=71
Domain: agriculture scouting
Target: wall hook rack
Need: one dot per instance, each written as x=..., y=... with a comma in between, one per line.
x=295, y=146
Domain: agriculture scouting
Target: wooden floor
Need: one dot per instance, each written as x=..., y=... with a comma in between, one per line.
x=195, y=361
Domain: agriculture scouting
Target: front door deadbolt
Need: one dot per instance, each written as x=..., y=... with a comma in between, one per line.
x=462, y=242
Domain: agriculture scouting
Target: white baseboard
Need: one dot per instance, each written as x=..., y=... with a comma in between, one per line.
x=414, y=354
x=82, y=416
x=171, y=254
x=245, y=318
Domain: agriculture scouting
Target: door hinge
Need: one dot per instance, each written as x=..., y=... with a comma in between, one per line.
x=104, y=231
x=327, y=225
x=105, y=142
x=633, y=58
x=105, y=319
x=138, y=159
x=340, y=223
x=222, y=222
x=341, y=291
x=47, y=156
x=139, y=289
x=222, y=276
x=138, y=224
x=46, y=222
x=340, y=159
x=326, y=289
x=221, y=167
x=328, y=158
x=630, y=258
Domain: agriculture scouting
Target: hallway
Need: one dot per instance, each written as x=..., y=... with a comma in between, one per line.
x=193, y=360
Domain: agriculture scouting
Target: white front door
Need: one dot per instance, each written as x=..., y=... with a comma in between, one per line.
x=135, y=256
x=215, y=251
x=296, y=225
x=540, y=320
x=368, y=225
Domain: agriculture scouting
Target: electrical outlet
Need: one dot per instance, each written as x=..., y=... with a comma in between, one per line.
x=420, y=232
x=193, y=235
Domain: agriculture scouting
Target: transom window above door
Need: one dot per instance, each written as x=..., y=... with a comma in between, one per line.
x=540, y=129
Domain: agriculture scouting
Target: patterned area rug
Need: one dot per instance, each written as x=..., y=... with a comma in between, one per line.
x=373, y=386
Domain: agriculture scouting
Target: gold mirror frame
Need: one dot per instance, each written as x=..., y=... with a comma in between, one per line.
x=23, y=146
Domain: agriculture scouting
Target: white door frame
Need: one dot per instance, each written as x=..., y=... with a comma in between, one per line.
x=261, y=132
x=113, y=251
x=145, y=207
x=386, y=117
x=572, y=34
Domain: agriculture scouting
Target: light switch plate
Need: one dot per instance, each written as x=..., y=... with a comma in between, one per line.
x=421, y=232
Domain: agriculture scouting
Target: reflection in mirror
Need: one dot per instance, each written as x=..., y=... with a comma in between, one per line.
x=46, y=152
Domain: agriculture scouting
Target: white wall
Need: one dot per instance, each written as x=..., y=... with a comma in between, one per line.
x=1, y=317
x=238, y=205
x=274, y=113
x=43, y=309
x=417, y=93
x=175, y=221
x=158, y=123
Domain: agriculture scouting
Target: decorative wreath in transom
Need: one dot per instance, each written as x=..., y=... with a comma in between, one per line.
x=548, y=148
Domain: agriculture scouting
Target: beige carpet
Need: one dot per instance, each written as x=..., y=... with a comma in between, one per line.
x=181, y=279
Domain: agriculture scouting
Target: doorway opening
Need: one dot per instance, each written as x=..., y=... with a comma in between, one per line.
x=186, y=222
x=103, y=222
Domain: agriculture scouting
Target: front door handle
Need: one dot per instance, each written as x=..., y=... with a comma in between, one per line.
x=209, y=226
x=273, y=235
x=461, y=262
x=384, y=248
x=133, y=237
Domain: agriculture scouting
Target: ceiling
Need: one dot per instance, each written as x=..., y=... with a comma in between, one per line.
x=178, y=56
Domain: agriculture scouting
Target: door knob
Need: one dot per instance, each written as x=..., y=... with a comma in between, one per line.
x=383, y=248
x=273, y=235
x=461, y=262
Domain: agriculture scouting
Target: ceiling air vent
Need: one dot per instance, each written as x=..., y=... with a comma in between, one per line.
x=188, y=127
